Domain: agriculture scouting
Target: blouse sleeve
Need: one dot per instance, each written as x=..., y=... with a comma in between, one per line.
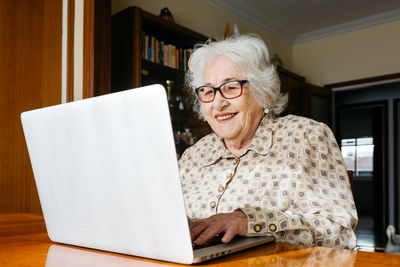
x=322, y=210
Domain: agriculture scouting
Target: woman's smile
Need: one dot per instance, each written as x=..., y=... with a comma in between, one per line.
x=225, y=117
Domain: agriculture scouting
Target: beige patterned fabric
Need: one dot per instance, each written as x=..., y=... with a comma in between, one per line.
x=291, y=182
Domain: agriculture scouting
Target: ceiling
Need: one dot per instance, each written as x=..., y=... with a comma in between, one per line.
x=300, y=21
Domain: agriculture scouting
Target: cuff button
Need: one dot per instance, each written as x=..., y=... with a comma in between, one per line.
x=257, y=228
x=272, y=227
x=213, y=204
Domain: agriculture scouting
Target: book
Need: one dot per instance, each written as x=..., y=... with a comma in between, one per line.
x=169, y=55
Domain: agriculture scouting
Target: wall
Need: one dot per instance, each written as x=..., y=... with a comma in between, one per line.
x=209, y=20
x=361, y=54
x=78, y=49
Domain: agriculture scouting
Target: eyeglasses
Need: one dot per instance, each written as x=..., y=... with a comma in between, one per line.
x=228, y=90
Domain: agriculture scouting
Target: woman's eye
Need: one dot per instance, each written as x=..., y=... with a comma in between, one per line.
x=230, y=88
x=208, y=92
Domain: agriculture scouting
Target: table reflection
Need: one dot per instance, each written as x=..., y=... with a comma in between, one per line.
x=277, y=255
x=313, y=256
x=59, y=255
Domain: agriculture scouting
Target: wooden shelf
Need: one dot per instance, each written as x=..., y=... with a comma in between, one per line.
x=130, y=70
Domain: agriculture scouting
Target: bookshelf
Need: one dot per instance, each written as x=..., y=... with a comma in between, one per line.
x=134, y=31
x=136, y=36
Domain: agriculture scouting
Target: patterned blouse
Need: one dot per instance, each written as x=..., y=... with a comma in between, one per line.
x=291, y=183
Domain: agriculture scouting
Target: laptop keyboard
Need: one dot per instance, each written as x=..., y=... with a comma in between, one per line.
x=216, y=240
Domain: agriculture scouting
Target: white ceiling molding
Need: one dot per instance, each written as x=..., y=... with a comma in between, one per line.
x=255, y=17
x=351, y=26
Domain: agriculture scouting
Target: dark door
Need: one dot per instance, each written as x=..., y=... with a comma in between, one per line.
x=362, y=132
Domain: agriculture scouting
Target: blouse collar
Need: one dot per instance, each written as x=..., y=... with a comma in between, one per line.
x=261, y=143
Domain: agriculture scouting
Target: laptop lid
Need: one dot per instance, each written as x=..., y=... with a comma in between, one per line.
x=107, y=174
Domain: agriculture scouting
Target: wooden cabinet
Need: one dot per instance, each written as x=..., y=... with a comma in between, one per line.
x=130, y=69
x=306, y=99
x=294, y=86
x=319, y=103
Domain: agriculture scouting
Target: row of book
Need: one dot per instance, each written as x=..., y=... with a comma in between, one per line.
x=166, y=54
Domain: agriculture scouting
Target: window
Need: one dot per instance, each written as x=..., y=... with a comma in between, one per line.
x=358, y=154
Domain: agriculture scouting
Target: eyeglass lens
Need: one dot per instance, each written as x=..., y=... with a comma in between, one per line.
x=228, y=90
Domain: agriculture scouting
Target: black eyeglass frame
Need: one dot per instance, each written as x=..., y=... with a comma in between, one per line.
x=218, y=88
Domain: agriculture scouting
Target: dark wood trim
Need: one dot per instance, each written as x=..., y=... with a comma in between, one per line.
x=396, y=140
x=381, y=194
x=88, y=49
x=291, y=74
x=137, y=45
x=384, y=164
x=102, y=47
x=97, y=48
x=375, y=79
x=70, y=50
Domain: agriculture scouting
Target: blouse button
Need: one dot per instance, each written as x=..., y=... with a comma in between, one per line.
x=272, y=227
x=221, y=189
x=213, y=204
x=229, y=175
x=235, y=161
x=257, y=228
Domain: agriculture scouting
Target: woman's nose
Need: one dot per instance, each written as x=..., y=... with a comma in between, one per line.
x=219, y=101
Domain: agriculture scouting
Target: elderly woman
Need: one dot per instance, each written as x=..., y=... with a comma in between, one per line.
x=260, y=174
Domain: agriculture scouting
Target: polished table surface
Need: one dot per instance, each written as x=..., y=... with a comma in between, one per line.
x=24, y=242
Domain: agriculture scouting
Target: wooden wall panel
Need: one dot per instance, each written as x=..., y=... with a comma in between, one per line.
x=88, y=49
x=30, y=77
x=102, y=47
x=97, y=48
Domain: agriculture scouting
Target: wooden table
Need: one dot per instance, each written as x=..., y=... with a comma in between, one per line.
x=24, y=242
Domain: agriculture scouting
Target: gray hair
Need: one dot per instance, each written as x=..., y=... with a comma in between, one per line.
x=251, y=55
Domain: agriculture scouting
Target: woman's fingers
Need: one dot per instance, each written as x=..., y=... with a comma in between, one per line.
x=228, y=236
x=208, y=233
x=231, y=223
x=197, y=228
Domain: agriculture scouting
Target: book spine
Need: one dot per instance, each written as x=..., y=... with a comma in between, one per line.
x=146, y=47
x=161, y=51
x=180, y=59
x=157, y=54
x=153, y=49
x=143, y=44
x=185, y=60
x=149, y=48
x=177, y=58
x=173, y=55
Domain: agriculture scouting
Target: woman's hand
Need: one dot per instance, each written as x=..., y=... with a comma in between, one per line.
x=234, y=223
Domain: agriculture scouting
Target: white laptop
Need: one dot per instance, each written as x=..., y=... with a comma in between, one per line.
x=107, y=176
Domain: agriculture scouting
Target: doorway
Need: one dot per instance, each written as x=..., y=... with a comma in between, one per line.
x=362, y=131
